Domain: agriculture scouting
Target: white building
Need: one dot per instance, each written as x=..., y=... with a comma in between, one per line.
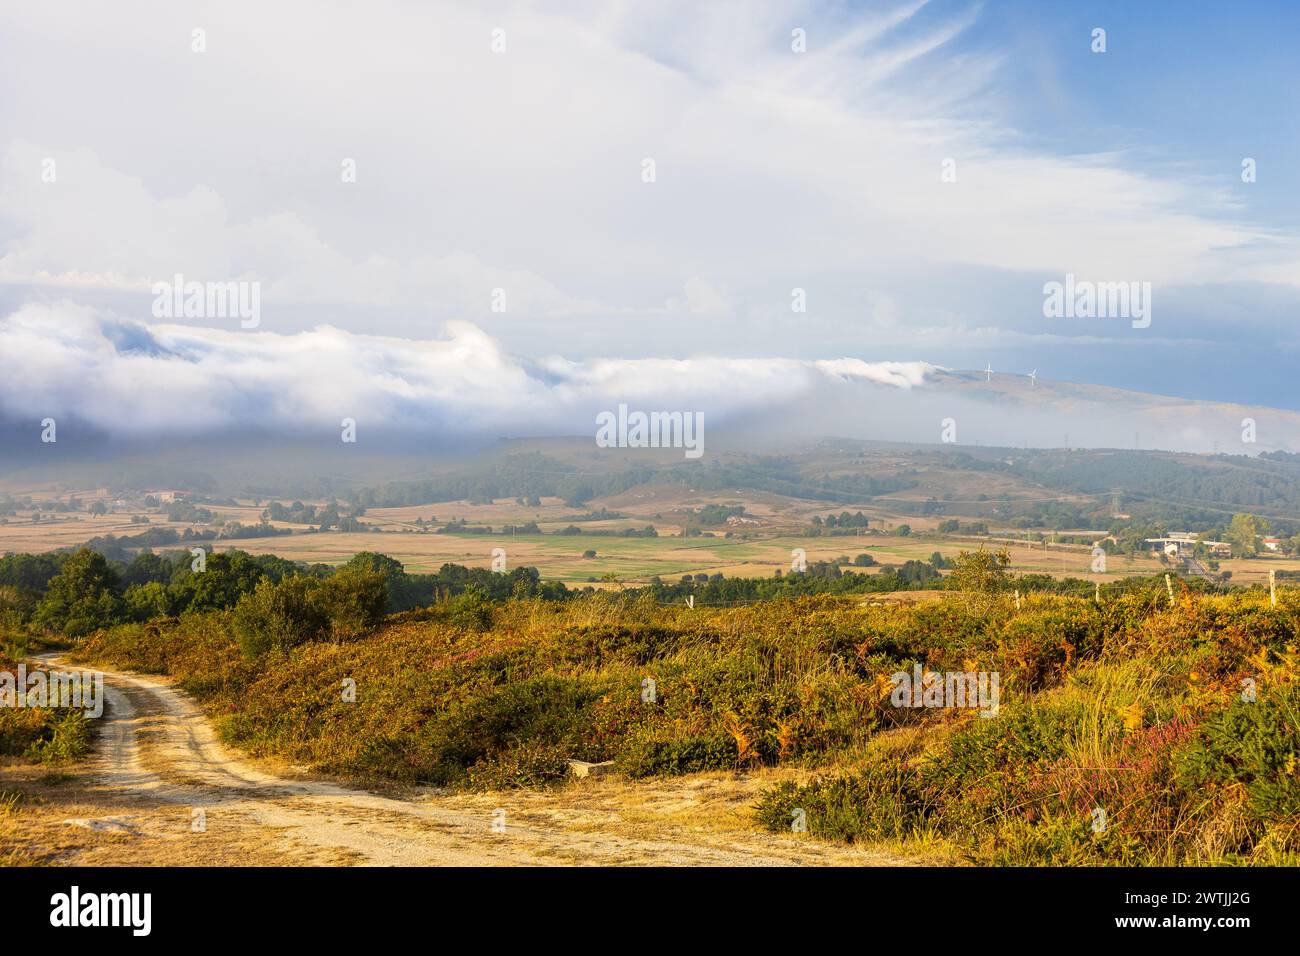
x=1179, y=543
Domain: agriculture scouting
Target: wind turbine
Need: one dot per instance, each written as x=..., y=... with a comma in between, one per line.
x=1033, y=378
x=988, y=373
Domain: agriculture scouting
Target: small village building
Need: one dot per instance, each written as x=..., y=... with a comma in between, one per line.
x=165, y=496
x=1183, y=544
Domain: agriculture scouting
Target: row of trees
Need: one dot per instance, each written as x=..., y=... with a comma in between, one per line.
x=713, y=514
x=842, y=520
x=325, y=518
x=79, y=592
x=953, y=526
x=821, y=577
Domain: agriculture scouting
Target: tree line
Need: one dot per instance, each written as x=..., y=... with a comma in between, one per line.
x=75, y=593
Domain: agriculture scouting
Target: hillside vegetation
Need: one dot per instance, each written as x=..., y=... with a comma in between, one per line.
x=1179, y=720
x=49, y=734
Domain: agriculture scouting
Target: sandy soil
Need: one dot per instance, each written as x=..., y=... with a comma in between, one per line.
x=158, y=769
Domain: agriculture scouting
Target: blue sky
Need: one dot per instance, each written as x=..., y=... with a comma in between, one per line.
x=1196, y=83
x=1183, y=86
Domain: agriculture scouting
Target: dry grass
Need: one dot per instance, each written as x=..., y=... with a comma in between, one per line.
x=46, y=820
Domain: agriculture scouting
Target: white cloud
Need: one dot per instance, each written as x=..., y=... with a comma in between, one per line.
x=521, y=170
x=701, y=298
x=131, y=239
x=128, y=378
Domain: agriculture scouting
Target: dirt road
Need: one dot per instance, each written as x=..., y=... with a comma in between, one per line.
x=161, y=778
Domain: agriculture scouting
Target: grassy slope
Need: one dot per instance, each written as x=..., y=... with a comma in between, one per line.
x=1132, y=707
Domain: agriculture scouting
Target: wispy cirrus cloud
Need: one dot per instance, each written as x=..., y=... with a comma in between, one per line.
x=522, y=169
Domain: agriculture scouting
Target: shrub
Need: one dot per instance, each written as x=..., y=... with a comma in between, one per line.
x=529, y=764
x=1131, y=706
x=471, y=609
x=355, y=602
x=1039, y=645
x=479, y=721
x=651, y=751
x=21, y=728
x=280, y=616
x=1255, y=745
x=44, y=733
x=67, y=737
x=884, y=801
x=1065, y=841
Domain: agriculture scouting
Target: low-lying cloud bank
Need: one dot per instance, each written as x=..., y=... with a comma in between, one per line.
x=136, y=380
x=102, y=378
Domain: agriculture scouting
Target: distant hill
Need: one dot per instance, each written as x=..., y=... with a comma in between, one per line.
x=884, y=452
x=1100, y=416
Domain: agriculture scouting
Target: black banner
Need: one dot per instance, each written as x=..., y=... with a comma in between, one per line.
x=593, y=907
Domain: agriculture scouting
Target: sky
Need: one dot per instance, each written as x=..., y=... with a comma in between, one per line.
x=449, y=233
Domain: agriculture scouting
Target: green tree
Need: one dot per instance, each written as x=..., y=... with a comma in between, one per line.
x=226, y=577
x=1245, y=532
x=390, y=569
x=145, y=567
x=144, y=602
x=981, y=572
x=373, y=561
x=16, y=608
x=82, y=597
x=29, y=572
